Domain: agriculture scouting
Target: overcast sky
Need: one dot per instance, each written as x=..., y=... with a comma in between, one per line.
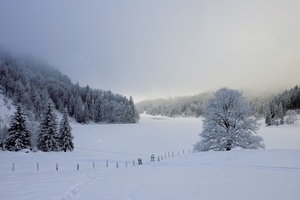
x=160, y=48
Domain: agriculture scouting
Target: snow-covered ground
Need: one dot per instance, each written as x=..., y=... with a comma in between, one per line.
x=273, y=173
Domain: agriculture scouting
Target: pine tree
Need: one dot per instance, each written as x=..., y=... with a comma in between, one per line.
x=86, y=114
x=268, y=119
x=1, y=138
x=133, y=116
x=18, y=134
x=79, y=110
x=280, y=114
x=47, y=138
x=99, y=110
x=65, y=135
x=131, y=110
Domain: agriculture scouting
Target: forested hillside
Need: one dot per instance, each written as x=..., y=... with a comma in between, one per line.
x=272, y=107
x=32, y=83
x=286, y=103
x=175, y=106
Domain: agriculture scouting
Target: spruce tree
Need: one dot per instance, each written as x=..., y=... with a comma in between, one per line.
x=47, y=138
x=268, y=119
x=65, y=135
x=280, y=114
x=99, y=110
x=18, y=134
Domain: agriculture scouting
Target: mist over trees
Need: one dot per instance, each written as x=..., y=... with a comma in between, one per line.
x=286, y=103
x=176, y=106
x=32, y=83
x=193, y=106
x=276, y=109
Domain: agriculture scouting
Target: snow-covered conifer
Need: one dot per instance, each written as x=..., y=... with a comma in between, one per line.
x=132, y=112
x=79, y=110
x=65, y=135
x=280, y=114
x=18, y=134
x=268, y=119
x=47, y=138
x=227, y=123
x=99, y=110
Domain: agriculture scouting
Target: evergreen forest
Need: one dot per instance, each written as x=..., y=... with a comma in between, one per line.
x=33, y=83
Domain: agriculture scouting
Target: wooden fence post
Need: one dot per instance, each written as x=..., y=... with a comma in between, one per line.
x=37, y=166
x=56, y=167
x=77, y=166
x=117, y=165
x=13, y=167
x=106, y=163
x=93, y=165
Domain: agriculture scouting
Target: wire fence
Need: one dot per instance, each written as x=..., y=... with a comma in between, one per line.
x=88, y=165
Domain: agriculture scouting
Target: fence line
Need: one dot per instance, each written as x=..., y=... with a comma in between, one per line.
x=108, y=163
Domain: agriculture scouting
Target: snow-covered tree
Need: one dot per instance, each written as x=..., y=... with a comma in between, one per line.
x=48, y=137
x=99, y=110
x=227, y=123
x=291, y=117
x=133, y=115
x=18, y=134
x=86, y=113
x=33, y=83
x=65, y=135
x=268, y=119
x=280, y=114
x=79, y=110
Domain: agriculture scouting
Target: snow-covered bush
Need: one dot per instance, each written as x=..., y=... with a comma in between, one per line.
x=291, y=117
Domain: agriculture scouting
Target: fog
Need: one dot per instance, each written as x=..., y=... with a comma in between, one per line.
x=151, y=49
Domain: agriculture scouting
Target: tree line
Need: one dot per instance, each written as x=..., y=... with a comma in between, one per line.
x=50, y=136
x=276, y=109
x=286, y=104
x=175, y=106
x=32, y=83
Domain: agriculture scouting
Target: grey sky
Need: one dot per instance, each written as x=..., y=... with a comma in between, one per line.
x=155, y=48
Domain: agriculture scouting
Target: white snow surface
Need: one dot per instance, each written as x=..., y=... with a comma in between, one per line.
x=271, y=174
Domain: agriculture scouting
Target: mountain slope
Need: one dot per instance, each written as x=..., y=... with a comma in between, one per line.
x=33, y=83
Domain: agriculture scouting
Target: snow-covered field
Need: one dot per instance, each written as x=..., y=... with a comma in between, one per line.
x=273, y=173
